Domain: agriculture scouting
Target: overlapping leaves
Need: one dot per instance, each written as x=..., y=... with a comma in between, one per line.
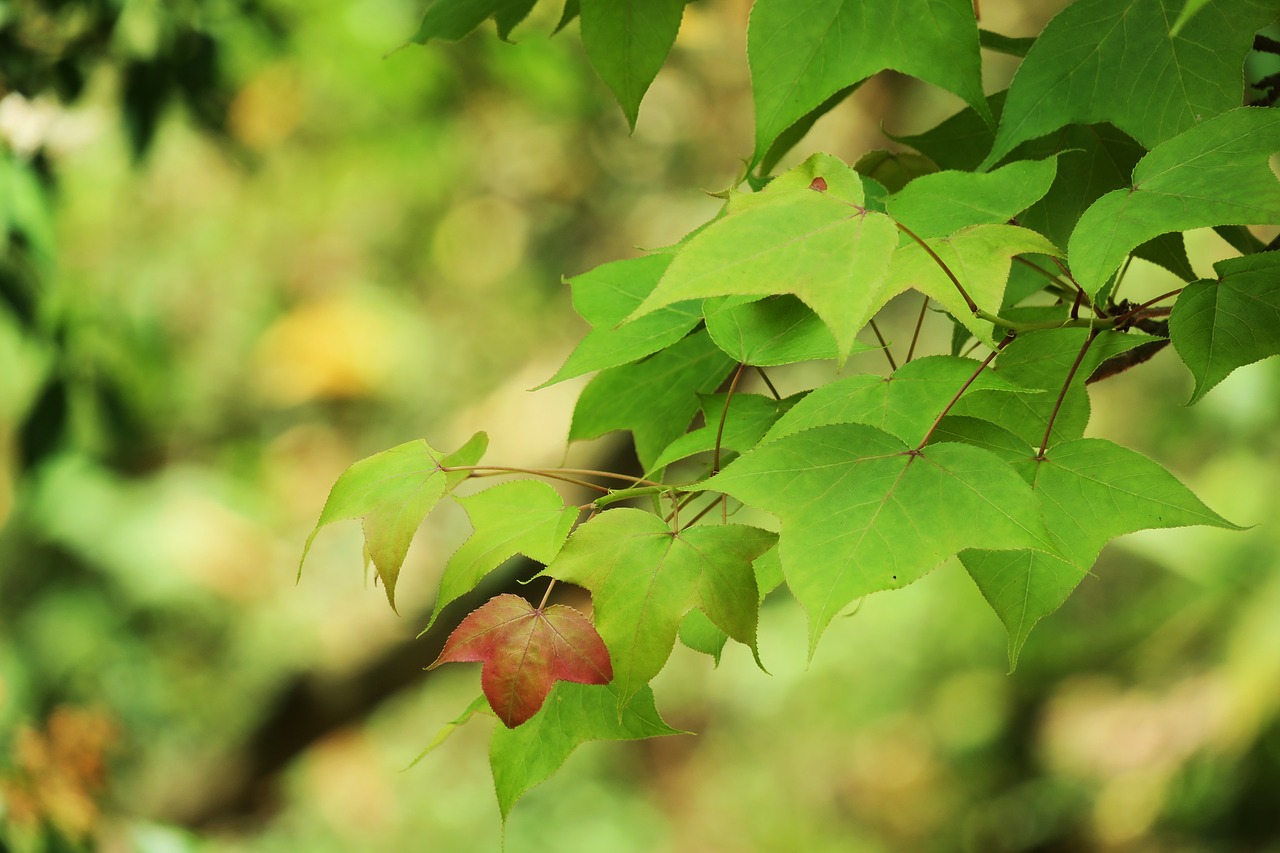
x=525, y=650
x=644, y=577
x=1119, y=61
x=862, y=511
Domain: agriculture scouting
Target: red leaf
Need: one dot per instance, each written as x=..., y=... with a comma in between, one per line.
x=525, y=651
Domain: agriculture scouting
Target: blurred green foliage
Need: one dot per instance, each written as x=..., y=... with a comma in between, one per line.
x=245, y=246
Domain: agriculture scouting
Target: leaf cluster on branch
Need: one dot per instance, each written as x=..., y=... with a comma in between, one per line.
x=1017, y=218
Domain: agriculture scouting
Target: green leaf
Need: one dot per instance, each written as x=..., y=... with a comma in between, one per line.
x=627, y=41
x=800, y=57
x=571, y=11
x=520, y=517
x=479, y=705
x=749, y=416
x=604, y=297
x=1217, y=326
x=1042, y=359
x=827, y=251
x=893, y=170
x=961, y=141
x=1117, y=61
x=790, y=137
x=819, y=172
x=1092, y=160
x=944, y=202
x=862, y=512
x=392, y=492
x=655, y=399
x=772, y=331
x=979, y=257
x=699, y=633
x=1092, y=491
x=644, y=578
x=573, y=714
x=1214, y=174
x=509, y=13
x=450, y=20
x=525, y=651
x=905, y=404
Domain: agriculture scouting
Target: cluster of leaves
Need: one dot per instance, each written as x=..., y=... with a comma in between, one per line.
x=1017, y=218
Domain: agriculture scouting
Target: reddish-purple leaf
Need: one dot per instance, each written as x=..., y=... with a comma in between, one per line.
x=525, y=651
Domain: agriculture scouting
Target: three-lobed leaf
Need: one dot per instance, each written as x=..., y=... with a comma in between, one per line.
x=1091, y=490
x=525, y=651
x=815, y=244
x=392, y=492
x=861, y=511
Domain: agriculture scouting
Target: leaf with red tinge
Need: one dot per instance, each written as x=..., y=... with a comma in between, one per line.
x=525, y=651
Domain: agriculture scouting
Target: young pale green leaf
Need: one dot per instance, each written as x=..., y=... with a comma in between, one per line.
x=450, y=20
x=1042, y=359
x=979, y=257
x=801, y=56
x=520, y=517
x=392, y=492
x=771, y=331
x=627, y=41
x=644, y=578
x=905, y=404
x=525, y=651
x=1216, y=173
x=604, y=297
x=523, y=757
x=827, y=251
x=1217, y=326
x=862, y=512
x=944, y=202
x=1092, y=491
x=479, y=705
x=822, y=172
x=1117, y=61
x=655, y=399
x=748, y=417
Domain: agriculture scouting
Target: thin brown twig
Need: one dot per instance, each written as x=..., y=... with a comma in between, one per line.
x=965, y=387
x=1062, y=395
x=765, y=377
x=724, y=416
x=884, y=346
x=915, y=336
